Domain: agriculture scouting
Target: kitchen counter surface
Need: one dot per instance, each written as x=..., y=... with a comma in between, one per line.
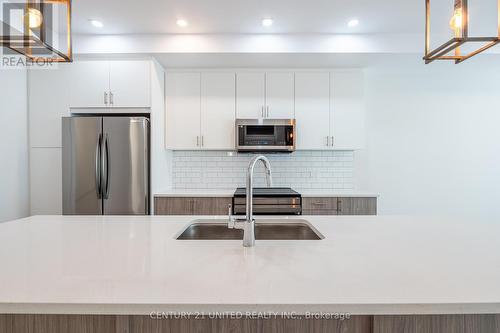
x=230, y=192
x=134, y=265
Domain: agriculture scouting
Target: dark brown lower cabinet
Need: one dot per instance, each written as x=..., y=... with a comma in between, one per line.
x=357, y=206
x=339, y=206
x=437, y=324
x=310, y=206
x=320, y=206
x=21, y=323
x=192, y=205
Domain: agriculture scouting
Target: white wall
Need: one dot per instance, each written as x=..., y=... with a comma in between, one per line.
x=14, y=175
x=433, y=136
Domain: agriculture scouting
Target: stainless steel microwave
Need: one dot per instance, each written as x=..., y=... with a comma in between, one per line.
x=265, y=135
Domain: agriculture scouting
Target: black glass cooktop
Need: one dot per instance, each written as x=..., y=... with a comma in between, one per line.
x=268, y=192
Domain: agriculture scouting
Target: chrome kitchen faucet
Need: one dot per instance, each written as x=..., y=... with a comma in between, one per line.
x=248, y=223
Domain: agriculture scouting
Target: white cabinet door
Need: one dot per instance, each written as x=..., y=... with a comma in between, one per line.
x=183, y=111
x=218, y=110
x=130, y=84
x=348, y=118
x=312, y=110
x=45, y=181
x=48, y=102
x=89, y=84
x=250, y=95
x=280, y=95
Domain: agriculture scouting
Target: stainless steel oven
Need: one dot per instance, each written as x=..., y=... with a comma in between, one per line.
x=265, y=135
x=269, y=201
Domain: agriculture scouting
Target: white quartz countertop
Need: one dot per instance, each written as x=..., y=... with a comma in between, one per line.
x=134, y=265
x=230, y=192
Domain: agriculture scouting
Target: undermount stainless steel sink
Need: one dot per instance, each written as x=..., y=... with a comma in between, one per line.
x=265, y=229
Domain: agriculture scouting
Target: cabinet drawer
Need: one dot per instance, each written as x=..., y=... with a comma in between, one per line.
x=326, y=203
x=192, y=206
x=174, y=206
x=357, y=206
x=211, y=206
x=339, y=206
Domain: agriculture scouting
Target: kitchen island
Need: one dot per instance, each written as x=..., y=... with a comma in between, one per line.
x=130, y=274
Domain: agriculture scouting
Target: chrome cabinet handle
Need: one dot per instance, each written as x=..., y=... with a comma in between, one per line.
x=111, y=99
x=331, y=143
x=262, y=112
x=327, y=141
x=202, y=141
x=105, y=98
x=197, y=141
x=98, y=167
x=105, y=169
x=267, y=111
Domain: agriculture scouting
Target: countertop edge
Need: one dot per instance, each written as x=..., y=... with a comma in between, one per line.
x=229, y=194
x=298, y=309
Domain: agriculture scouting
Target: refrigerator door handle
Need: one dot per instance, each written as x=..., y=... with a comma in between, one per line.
x=105, y=168
x=98, y=177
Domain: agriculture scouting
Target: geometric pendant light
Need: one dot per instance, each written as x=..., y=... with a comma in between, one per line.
x=459, y=23
x=38, y=29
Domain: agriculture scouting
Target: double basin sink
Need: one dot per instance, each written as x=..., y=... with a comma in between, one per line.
x=265, y=229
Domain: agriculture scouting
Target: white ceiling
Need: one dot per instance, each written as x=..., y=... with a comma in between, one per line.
x=244, y=16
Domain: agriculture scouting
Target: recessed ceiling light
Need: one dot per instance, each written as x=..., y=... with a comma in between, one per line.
x=353, y=23
x=182, y=23
x=96, y=23
x=267, y=22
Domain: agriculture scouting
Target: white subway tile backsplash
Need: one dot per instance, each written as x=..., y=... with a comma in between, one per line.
x=300, y=170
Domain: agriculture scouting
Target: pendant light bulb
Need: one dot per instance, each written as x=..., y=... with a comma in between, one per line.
x=35, y=18
x=456, y=20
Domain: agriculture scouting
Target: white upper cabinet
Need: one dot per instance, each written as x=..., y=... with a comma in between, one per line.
x=328, y=107
x=280, y=95
x=183, y=111
x=218, y=110
x=108, y=84
x=312, y=110
x=348, y=115
x=250, y=95
x=129, y=83
x=265, y=95
x=89, y=84
x=200, y=111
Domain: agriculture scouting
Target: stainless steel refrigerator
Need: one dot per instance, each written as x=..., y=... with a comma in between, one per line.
x=105, y=164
